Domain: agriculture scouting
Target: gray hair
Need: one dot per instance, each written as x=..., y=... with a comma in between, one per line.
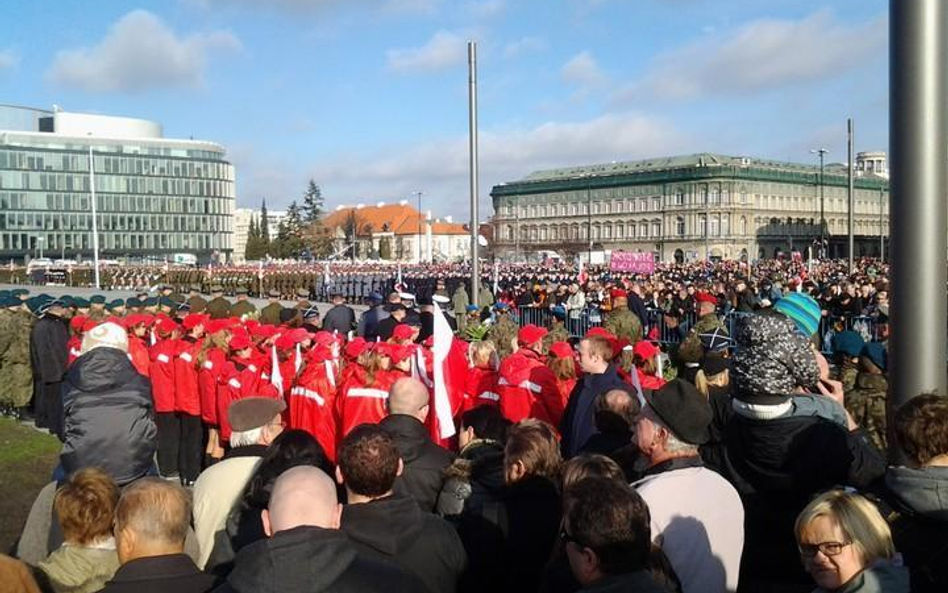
x=672, y=444
x=243, y=438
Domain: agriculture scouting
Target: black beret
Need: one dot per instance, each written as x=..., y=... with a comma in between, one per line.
x=682, y=408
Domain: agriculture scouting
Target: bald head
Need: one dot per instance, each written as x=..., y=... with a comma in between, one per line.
x=410, y=397
x=303, y=495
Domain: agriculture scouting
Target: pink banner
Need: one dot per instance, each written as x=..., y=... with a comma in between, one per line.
x=637, y=263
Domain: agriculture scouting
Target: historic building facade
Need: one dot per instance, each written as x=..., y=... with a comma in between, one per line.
x=691, y=207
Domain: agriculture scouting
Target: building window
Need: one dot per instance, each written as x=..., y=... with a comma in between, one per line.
x=679, y=198
x=680, y=226
x=725, y=225
x=643, y=230
x=715, y=226
x=656, y=229
x=715, y=196
x=702, y=225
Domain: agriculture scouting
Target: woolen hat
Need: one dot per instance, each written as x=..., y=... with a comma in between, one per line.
x=105, y=335
x=683, y=410
x=253, y=412
x=803, y=310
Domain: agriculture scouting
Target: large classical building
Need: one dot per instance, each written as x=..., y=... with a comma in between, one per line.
x=155, y=196
x=396, y=232
x=692, y=207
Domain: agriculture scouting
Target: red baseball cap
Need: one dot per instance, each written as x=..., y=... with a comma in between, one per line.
x=400, y=352
x=530, y=334
x=285, y=341
x=645, y=349
x=192, y=320
x=356, y=347
x=239, y=342
x=601, y=332
x=561, y=350
x=617, y=293
x=166, y=325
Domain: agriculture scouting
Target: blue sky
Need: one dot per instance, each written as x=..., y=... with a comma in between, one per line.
x=369, y=97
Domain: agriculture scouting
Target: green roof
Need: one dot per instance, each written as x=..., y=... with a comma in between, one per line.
x=690, y=161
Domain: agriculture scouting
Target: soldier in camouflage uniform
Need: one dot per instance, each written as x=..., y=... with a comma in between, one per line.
x=195, y=300
x=621, y=322
x=866, y=402
x=219, y=307
x=16, y=371
x=474, y=329
x=691, y=351
x=558, y=331
x=97, y=310
x=504, y=331
x=242, y=306
x=271, y=313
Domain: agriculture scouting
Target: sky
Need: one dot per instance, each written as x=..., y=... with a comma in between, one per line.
x=369, y=97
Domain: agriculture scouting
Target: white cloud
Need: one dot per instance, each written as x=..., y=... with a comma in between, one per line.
x=763, y=55
x=9, y=59
x=440, y=167
x=525, y=45
x=485, y=9
x=425, y=7
x=444, y=50
x=583, y=70
x=140, y=52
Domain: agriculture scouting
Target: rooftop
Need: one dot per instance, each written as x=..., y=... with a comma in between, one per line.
x=398, y=218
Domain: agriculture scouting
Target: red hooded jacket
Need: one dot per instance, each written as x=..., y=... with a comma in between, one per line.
x=528, y=388
x=161, y=371
x=311, y=404
x=187, y=400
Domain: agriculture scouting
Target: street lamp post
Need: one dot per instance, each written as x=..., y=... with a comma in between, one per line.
x=822, y=152
x=589, y=220
x=418, y=194
x=881, y=225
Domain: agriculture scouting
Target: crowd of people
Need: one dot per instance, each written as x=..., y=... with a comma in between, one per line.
x=424, y=446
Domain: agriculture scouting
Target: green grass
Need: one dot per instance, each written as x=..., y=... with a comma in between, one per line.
x=27, y=459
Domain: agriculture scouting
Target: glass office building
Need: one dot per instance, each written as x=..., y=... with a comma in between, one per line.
x=154, y=196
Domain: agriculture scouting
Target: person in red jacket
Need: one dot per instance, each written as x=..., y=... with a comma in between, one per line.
x=161, y=372
x=211, y=360
x=74, y=345
x=137, y=326
x=562, y=361
x=242, y=377
x=480, y=388
x=527, y=386
x=187, y=399
x=313, y=397
x=646, y=365
x=363, y=397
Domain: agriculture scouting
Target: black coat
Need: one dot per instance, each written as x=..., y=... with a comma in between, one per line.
x=109, y=418
x=311, y=560
x=160, y=574
x=385, y=328
x=424, y=461
x=579, y=420
x=394, y=528
x=777, y=466
x=369, y=323
x=340, y=318
x=48, y=353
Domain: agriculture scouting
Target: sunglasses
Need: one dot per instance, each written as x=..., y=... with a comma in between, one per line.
x=826, y=548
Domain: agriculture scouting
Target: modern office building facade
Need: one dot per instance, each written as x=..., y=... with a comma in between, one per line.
x=154, y=196
x=242, y=218
x=693, y=207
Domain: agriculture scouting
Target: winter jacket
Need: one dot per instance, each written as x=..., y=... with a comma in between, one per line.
x=161, y=374
x=314, y=560
x=528, y=388
x=138, y=353
x=920, y=523
x=209, y=375
x=481, y=388
x=109, y=419
x=640, y=582
x=238, y=380
x=160, y=574
x=424, y=461
x=532, y=508
x=394, y=528
x=80, y=569
x=359, y=402
x=340, y=318
x=579, y=421
x=883, y=576
x=474, y=479
x=777, y=466
x=311, y=404
x=186, y=397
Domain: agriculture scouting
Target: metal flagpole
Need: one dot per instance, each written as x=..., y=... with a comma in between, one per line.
x=881, y=226
x=852, y=193
x=472, y=122
x=95, y=222
x=918, y=137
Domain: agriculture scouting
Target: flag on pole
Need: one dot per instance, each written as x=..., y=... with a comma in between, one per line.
x=582, y=277
x=443, y=340
x=496, y=292
x=276, y=377
x=399, y=286
x=298, y=362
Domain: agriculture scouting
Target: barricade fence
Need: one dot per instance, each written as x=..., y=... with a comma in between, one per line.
x=670, y=331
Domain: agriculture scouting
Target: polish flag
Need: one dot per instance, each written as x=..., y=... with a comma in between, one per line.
x=449, y=367
x=276, y=377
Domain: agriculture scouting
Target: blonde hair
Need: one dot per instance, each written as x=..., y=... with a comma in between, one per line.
x=483, y=353
x=858, y=519
x=219, y=340
x=704, y=382
x=590, y=466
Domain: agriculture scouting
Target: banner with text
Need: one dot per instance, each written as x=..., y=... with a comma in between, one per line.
x=627, y=261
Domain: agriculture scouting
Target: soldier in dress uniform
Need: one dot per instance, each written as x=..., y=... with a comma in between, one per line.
x=271, y=313
x=218, y=307
x=197, y=302
x=242, y=306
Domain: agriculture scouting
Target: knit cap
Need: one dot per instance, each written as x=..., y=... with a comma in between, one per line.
x=105, y=335
x=803, y=310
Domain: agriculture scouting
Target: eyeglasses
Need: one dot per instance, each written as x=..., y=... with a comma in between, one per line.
x=827, y=548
